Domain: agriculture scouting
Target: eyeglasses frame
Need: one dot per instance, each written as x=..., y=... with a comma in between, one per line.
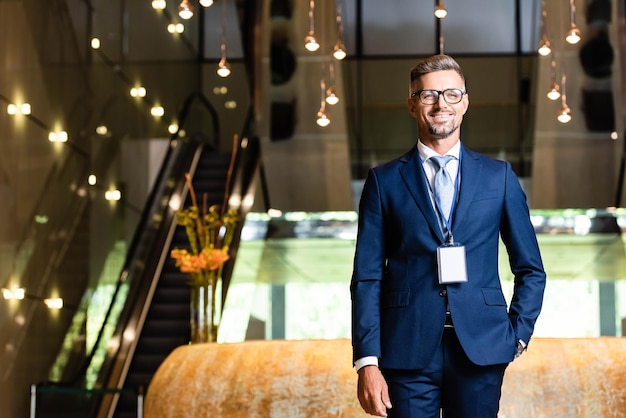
x=418, y=93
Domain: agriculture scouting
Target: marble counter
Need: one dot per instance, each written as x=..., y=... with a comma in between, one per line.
x=556, y=378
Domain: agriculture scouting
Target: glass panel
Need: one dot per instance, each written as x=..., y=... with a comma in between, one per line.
x=408, y=27
x=294, y=283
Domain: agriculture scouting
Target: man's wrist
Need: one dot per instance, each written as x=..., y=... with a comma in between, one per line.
x=521, y=347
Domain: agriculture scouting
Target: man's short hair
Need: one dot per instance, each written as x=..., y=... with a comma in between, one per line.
x=436, y=63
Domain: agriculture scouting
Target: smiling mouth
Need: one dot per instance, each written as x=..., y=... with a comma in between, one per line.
x=441, y=117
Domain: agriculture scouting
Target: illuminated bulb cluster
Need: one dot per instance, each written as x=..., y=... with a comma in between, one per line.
x=23, y=109
x=138, y=91
x=58, y=136
x=176, y=28
x=15, y=293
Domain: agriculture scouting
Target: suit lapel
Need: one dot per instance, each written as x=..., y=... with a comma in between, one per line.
x=470, y=181
x=415, y=180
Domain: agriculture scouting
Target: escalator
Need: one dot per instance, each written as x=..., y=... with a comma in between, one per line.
x=167, y=322
x=148, y=314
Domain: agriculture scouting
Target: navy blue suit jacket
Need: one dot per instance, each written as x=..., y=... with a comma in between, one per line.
x=397, y=308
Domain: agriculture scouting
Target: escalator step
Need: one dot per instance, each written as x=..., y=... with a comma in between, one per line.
x=159, y=345
x=169, y=312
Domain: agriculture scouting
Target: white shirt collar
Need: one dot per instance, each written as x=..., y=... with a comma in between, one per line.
x=426, y=153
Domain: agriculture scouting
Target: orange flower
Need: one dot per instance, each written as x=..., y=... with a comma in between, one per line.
x=189, y=263
x=214, y=257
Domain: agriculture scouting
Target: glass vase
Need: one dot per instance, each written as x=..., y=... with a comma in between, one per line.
x=202, y=318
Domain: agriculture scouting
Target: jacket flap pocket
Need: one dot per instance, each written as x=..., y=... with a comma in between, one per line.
x=493, y=296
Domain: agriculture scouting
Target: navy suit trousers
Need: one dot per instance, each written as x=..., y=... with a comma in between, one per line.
x=451, y=385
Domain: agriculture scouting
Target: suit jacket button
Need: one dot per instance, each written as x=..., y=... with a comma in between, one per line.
x=443, y=293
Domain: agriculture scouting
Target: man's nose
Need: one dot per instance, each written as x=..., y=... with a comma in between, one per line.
x=441, y=101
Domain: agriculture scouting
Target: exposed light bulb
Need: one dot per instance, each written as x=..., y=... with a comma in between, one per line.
x=102, y=130
x=310, y=43
x=331, y=96
x=185, y=10
x=554, y=93
x=544, y=47
x=53, y=303
x=157, y=111
x=339, y=51
x=223, y=68
x=440, y=11
x=206, y=3
x=59, y=136
x=175, y=28
x=158, y=4
x=138, y=91
x=565, y=114
x=113, y=195
x=573, y=34
x=322, y=118
x=15, y=293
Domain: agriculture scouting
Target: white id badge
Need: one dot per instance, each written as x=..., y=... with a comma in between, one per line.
x=452, y=266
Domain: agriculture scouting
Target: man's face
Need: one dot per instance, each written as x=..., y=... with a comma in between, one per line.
x=441, y=119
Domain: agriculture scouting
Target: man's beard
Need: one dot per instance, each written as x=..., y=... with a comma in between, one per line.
x=441, y=131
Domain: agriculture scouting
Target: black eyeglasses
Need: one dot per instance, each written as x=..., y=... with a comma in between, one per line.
x=430, y=97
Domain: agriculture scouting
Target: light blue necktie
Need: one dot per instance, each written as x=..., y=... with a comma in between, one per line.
x=444, y=186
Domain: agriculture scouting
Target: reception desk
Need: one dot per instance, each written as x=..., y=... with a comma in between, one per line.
x=555, y=378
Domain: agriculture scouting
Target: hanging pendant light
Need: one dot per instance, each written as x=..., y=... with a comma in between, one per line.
x=554, y=92
x=331, y=93
x=565, y=113
x=339, y=49
x=158, y=4
x=544, y=44
x=573, y=34
x=440, y=10
x=223, y=67
x=185, y=10
x=322, y=118
x=331, y=96
x=310, y=42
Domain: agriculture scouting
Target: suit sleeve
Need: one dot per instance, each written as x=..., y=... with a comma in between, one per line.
x=519, y=237
x=368, y=272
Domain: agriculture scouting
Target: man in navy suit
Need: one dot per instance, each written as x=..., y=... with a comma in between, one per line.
x=431, y=328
